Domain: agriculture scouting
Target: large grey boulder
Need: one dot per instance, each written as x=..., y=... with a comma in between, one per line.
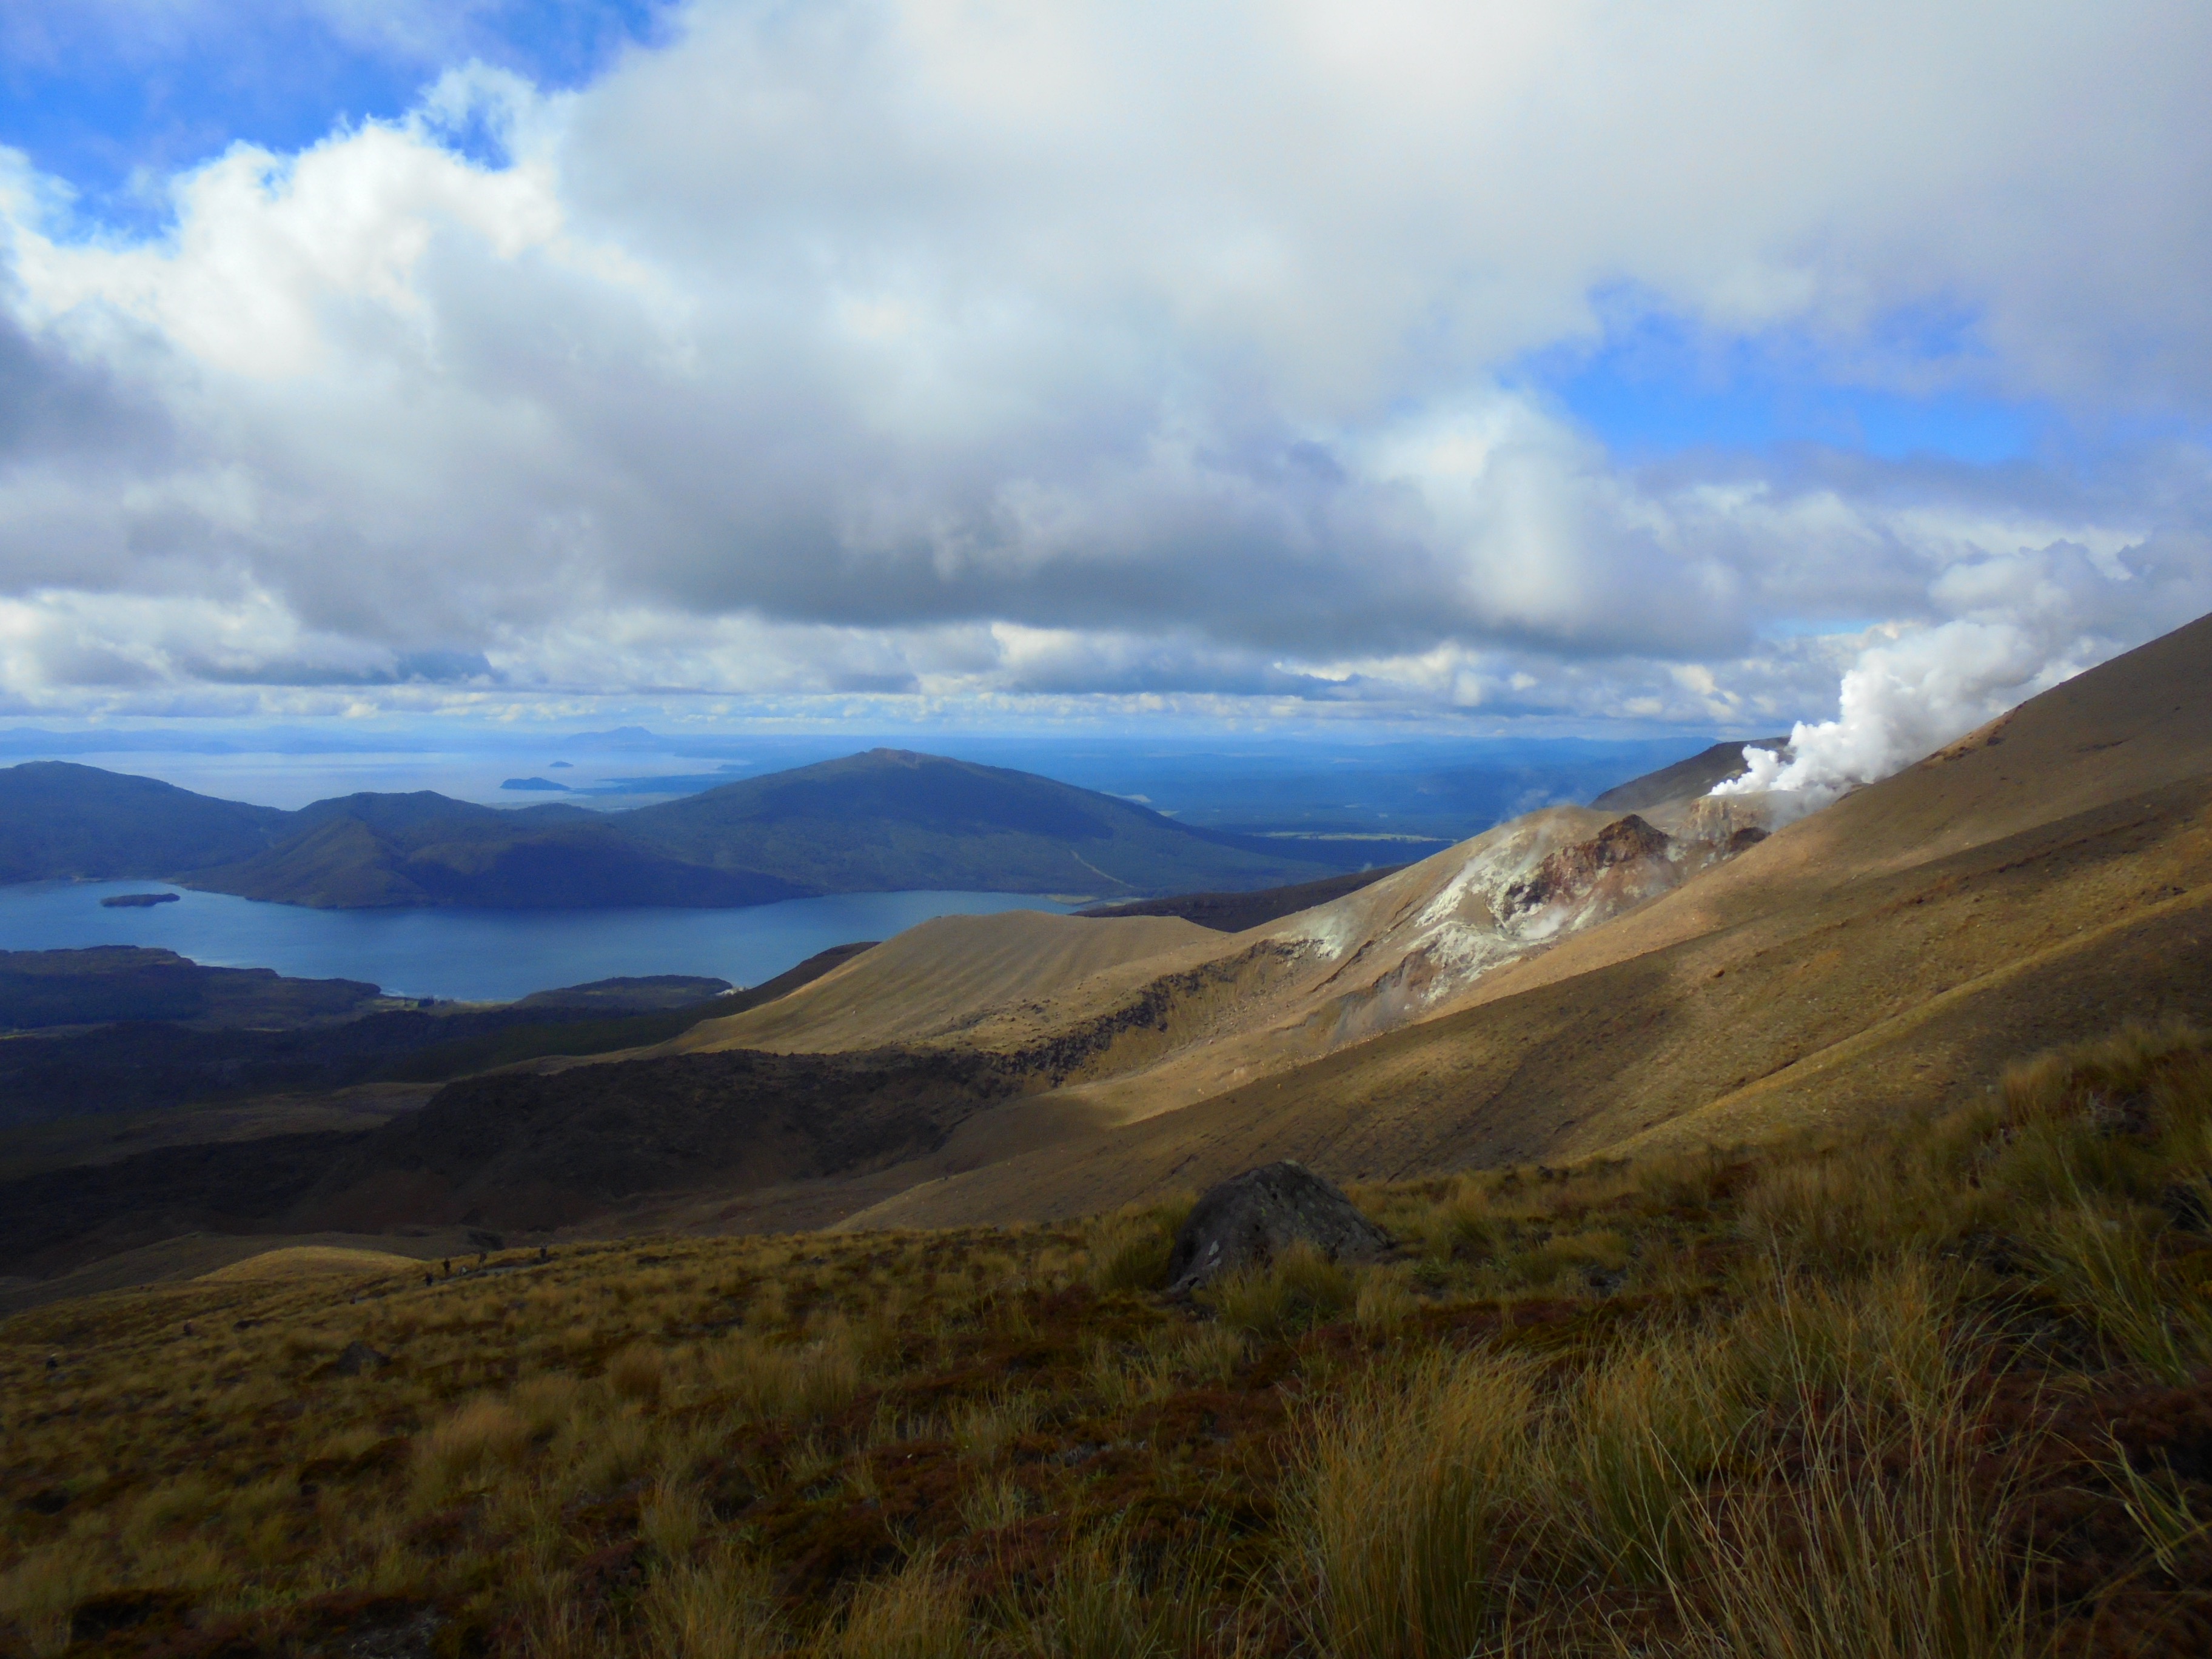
x=1246, y=1220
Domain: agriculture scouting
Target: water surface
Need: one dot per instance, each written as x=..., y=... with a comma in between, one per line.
x=474, y=954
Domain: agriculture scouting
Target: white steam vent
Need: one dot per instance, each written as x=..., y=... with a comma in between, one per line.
x=1901, y=701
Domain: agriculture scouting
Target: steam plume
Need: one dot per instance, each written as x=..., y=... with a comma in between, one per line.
x=1901, y=701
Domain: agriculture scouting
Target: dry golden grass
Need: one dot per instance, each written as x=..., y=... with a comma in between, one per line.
x=720, y=1608
x=1913, y=1395
x=1299, y=1290
x=475, y=1445
x=312, y=1261
x=1130, y=1250
x=1410, y=1491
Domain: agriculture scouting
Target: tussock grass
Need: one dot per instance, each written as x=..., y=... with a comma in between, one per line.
x=1894, y=1337
x=2102, y=1263
x=996, y=1502
x=1843, y=1563
x=721, y=1608
x=1131, y=1251
x=919, y=1614
x=1104, y=1602
x=474, y=1445
x=545, y=1403
x=1632, y=1447
x=638, y=1374
x=39, y=1591
x=1412, y=1488
x=1384, y=1301
x=1926, y=1391
x=1299, y=1290
x=2160, y=1505
x=986, y=1430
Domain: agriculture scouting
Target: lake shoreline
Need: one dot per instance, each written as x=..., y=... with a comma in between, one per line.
x=472, y=954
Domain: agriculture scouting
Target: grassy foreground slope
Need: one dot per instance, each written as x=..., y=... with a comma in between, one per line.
x=2038, y=881
x=1945, y=1391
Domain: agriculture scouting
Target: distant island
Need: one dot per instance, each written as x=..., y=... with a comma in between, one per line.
x=138, y=900
x=886, y=821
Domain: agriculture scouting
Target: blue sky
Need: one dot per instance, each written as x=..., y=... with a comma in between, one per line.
x=112, y=99
x=1653, y=386
x=1242, y=366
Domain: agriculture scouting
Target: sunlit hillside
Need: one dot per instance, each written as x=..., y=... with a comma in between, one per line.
x=1571, y=985
x=1938, y=1392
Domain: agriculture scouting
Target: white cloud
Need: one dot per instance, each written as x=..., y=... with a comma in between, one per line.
x=999, y=351
x=2021, y=623
x=1902, y=699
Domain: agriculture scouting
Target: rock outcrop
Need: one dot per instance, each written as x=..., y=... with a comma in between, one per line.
x=1570, y=872
x=1248, y=1218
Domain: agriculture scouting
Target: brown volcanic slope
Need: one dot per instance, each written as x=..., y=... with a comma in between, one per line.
x=1149, y=1014
x=1685, y=778
x=932, y=983
x=2042, y=879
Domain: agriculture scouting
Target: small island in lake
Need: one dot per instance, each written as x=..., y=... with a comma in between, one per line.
x=138, y=900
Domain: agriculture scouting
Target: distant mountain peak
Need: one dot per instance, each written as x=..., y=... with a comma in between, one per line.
x=888, y=820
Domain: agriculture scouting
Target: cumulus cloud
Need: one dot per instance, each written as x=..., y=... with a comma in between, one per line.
x=883, y=346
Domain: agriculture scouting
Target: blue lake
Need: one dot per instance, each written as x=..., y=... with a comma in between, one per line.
x=477, y=956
